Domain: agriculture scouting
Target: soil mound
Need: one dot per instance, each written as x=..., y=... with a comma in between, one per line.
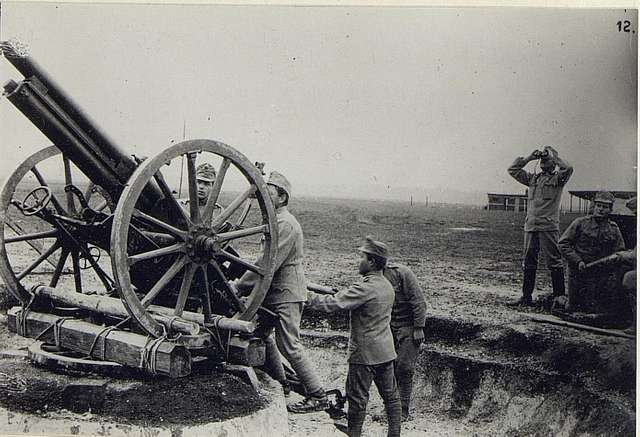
x=198, y=399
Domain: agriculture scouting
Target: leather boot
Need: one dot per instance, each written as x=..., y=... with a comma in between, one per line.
x=528, y=284
x=557, y=282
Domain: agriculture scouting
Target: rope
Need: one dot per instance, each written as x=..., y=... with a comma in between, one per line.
x=56, y=329
x=149, y=354
x=21, y=317
x=106, y=331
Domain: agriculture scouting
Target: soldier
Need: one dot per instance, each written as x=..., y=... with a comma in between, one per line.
x=205, y=178
x=371, y=351
x=588, y=239
x=407, y=327
x=541, y=227
x=286, y=298
x=626, y=259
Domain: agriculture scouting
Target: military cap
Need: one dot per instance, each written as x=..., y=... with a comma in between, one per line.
x=632, y=203
x=278, y=180
x=206, y=172
x=604, y=197
x=373, y=247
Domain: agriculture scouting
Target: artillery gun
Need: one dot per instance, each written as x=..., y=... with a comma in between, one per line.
x=119, y=269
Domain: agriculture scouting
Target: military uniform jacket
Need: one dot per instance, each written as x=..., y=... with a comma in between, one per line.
x=410, y=306
x=288, y=284
x=369, y=302
x=587, y=240
x=545, y=192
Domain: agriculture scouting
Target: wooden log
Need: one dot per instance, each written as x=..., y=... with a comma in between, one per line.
x=543, y=318
x=188, y=324
x=221, y=322
x=321, y=289
x=113, y=307
x=126, y=348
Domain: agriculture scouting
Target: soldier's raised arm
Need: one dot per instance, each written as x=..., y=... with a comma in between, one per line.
x=517, y=171
x=565, y=169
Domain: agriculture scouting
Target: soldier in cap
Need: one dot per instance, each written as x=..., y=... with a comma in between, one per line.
x=588, y=239
x=407, y=326
x=541, y=227
x=286, y=298
x=626, y=261
x=371, y=352
x=205, y=178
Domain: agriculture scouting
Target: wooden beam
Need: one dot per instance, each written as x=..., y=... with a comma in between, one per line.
x=113, y=307
x=121, y=347
x=544, y=318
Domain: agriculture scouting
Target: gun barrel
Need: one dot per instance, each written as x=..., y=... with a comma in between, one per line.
x=106, y=149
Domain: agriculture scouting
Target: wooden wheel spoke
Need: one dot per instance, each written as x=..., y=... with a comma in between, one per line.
x=46, y=254
x=162, y=225
x=206, y=295
x=227, y=288
x=214, y=194
x=56, y=203
x=163, y=281
x=77, y=277
x=71, y=205
x=194, y=203
x=163, y=251
x=240, y=233
x=184, y=288
x=35, y=236
x=59, y=267
x=246, y=264
x=168, y=195
x=233, y=206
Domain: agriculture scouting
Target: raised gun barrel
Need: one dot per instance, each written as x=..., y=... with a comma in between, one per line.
x=61, y=120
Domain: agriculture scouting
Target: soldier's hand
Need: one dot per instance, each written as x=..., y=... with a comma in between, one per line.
x=581, y=266
x=418, y=335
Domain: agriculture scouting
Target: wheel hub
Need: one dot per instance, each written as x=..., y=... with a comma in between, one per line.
x=202, y=244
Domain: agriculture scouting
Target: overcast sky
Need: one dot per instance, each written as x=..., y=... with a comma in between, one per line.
x=364, y=99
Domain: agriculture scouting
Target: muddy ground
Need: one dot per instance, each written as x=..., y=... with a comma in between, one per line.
x=468, y=262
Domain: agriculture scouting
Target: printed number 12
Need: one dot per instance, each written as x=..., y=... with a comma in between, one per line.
x=624, y=26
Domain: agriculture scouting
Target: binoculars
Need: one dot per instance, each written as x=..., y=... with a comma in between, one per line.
x=541, y=154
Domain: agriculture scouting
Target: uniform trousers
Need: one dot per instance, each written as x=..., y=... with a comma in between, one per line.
x=287, y=343
x=404, y=365
x=359, y=381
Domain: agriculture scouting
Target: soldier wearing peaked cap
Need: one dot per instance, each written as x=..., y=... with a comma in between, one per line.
x=588, y=239
x=205, y=178
x=407, y=327
x=286, y=297
x=371, y=351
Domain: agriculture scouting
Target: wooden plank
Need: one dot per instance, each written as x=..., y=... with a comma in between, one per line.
x=121, y=347
x=111, y=306
x=553, y=320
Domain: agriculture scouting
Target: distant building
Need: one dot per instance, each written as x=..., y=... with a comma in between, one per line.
x=507, y=202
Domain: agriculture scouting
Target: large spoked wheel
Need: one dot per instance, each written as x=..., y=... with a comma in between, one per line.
x=35, y=244
x=182, y=254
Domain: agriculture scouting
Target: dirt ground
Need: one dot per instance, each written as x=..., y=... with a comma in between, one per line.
x=468, y=262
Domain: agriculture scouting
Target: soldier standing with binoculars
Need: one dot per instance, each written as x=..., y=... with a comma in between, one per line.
x=542, y=223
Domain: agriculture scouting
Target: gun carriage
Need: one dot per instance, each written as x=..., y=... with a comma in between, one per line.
x=120, y=270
